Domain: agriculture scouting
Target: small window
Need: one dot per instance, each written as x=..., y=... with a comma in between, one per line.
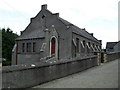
x=34, y=46
x=23, y=47
x=43, y=16
x=92, y=45
x=89, y=44
x=88, y=47
x=77, y=44
x=84, y=43
x=28, y=47
x=74, y=42
x=83, y=46
x=99, y=48
x=95, y=47
x=111, y=47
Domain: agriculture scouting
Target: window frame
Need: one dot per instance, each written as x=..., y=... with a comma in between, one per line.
x=77, y=45
x=28, y=47
x=34, y=47
x=23, y=47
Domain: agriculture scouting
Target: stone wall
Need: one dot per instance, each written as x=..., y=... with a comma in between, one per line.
x=112, y=56
x=24, y=76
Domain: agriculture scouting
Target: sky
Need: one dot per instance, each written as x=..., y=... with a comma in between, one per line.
x=96, y=16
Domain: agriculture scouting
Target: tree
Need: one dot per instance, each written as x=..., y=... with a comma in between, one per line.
x=8, y=41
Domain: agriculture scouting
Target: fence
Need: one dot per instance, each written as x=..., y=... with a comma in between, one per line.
x=24, y=76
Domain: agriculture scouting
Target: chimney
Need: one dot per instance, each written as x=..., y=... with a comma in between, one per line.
x=91, y=34
x=56, y=14
x=31, y=19
x=44, y=6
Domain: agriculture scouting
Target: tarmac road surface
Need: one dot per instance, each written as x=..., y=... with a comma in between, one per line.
x=104, y=76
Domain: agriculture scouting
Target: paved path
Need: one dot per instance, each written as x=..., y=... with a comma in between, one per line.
x=104, y=76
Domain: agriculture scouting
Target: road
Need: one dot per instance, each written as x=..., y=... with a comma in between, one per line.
x=104, y=76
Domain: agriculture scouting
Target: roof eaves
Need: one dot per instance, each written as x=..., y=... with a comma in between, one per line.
x=19, y=39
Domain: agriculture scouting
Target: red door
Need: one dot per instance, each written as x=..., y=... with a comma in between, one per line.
x=53, y=46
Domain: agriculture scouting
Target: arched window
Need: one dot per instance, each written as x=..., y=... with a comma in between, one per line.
x=54, y=47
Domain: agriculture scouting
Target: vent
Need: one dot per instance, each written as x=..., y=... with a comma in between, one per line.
x=43, y=16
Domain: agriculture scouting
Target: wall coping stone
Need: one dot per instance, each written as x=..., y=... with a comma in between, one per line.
x=21, y=67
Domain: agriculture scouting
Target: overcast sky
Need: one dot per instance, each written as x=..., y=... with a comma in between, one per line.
x=97, y=16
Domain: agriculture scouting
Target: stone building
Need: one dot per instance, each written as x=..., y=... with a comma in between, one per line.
x=113, y=46
x=49, y=36
x=117, y=47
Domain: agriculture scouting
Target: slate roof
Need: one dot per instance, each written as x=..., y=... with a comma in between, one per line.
x=40, y=33
x=31, y=35
x=83, y=33
x=64, y=21
x=110, y=44
x=78, y=30
x=118, y=43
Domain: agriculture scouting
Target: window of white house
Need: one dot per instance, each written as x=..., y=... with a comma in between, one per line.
x=28, y=47
x=23, y=47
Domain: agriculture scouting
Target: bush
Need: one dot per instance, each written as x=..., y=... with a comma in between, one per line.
x=8, y=41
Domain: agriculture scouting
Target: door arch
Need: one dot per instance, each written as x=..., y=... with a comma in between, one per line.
x=54, y=46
